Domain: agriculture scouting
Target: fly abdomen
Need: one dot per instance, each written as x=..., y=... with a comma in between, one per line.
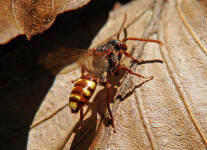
x=82, y=92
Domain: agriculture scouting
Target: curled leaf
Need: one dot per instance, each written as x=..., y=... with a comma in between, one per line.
x=31, y=17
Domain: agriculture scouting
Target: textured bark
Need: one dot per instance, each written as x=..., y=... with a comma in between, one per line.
x=168, y=112
x=31, y=17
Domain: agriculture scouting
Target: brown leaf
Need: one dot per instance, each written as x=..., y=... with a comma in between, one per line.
x=168, y=112
x=31, y=17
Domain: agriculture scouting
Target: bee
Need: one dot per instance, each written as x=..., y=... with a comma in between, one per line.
x=98, y=63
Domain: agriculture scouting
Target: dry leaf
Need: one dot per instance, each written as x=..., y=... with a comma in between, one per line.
x=168, y=112
x=31, y=17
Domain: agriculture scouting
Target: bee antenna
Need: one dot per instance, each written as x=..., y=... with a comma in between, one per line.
x=144, y=40
x=122, y=25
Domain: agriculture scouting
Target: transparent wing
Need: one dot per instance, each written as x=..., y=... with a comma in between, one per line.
x=64, y=60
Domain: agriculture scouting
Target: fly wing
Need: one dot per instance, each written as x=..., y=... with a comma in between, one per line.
x=63, y=60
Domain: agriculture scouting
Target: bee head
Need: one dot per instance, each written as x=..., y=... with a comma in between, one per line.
x=118, y=45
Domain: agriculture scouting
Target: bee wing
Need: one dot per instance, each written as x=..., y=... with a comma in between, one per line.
x=63, y=60
x=68, y=69
x=85, y=58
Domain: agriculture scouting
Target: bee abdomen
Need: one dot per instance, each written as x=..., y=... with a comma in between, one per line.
x=82, y=92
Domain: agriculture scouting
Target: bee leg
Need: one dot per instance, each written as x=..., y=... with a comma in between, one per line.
x=139, y=61
x=74, y=80
x=129, y=71
x=108, y=101
x=140, y=39
x=122, y=26
x=81, y=117
x=83, y=70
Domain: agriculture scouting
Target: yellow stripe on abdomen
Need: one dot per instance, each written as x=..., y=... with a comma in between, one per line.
x=77, y=97
x=91, y=84
x=86, y=91
x=73, y=105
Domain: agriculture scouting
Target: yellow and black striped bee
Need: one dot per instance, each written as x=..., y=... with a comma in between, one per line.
x=82, y=91
x=98, y=63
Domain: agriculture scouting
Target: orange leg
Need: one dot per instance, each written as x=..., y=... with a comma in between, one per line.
x=83, y=70
x=129, y=71
x=140, y=39
x=122, y=26
x=139, y=60
x=108, y=101
x=81, y=117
